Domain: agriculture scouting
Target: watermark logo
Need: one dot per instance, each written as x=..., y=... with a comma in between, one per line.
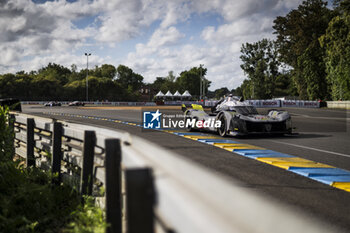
x=156, y=120
x=151, y=120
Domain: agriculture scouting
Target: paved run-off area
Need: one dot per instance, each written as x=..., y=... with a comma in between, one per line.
x=321, y=152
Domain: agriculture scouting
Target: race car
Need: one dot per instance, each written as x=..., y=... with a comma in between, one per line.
x=76, y=103
x=232, y=116
x=52, y=103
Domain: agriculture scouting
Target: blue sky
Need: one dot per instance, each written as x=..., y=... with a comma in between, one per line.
x=152, y=37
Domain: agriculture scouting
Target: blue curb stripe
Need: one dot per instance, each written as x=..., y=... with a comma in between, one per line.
x=270, y=155
x=313, y=172
x=189, y=134
x=330, y=179
x=257, y=152
x=212, y=141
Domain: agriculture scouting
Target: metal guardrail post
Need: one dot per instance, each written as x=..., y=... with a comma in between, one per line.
x=56, y=152
x=140, y=200
x=30, y=160
x=86, y=178
x=113, y=185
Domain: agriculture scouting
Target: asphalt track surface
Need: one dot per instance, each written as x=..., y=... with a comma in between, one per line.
x=323, y=136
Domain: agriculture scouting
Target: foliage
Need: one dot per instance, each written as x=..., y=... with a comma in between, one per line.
x=6, y=136
x=298, y=46
x=189, y=80
x=261, y=65
x=55, y=82
x=336, y=42
x=219, y=93
x=87, y=218
x=29, y=203
x=127, y=78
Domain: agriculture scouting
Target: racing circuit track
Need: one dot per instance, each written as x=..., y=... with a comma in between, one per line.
x=323, y=137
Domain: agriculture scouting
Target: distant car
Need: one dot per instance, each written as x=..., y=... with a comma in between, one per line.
x=76, y=103
x=52, y=103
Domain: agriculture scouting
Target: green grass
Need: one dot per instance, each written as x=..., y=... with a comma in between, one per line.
x=30, y=203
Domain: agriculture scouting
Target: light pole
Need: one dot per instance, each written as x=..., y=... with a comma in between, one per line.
x=87, y=75
x=200, y=82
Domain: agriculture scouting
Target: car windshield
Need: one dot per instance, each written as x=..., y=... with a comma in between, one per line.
x=246, y=110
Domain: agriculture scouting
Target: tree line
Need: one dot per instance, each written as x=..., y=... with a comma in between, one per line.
x=310, y=57
x=106, y=82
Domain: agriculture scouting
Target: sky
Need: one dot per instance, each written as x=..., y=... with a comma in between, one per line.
x=152, y=37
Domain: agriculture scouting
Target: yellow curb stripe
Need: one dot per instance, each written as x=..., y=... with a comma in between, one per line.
x=239, y=146
x=342, y=185
x=200, y=137
x=286, y=163
x=283, y=160
x=218, y=144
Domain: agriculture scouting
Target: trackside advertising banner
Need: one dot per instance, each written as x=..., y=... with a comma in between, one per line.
x=265, y=103
x=300, y=103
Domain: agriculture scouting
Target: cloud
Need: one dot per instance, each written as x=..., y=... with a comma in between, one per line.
x=31, y=30
x=244, y=21
x=34, y=34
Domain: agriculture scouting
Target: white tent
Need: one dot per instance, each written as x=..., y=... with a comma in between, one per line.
x=168, y=94
x=186, y=94
x=177, y=94
x=160, y=94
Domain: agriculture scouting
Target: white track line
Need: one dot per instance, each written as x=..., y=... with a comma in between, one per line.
x=315, y=149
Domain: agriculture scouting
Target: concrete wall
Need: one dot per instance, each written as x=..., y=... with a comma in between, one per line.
x=338, y=104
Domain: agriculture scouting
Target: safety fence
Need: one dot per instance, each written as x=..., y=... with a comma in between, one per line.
x=147, y=188
x=276, y=103
x=206, y=103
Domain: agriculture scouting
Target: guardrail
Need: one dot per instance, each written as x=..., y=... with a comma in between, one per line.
x=94, y=103
x=147, y=188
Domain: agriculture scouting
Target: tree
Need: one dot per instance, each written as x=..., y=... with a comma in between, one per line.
x=336, y=42
x=261, y=65
x=171, y=77
x=189, y=80
x=284, y=85
x=105, y=71
x=126, y=77
x=297, y=41
x=55, y=72
x=221, y=92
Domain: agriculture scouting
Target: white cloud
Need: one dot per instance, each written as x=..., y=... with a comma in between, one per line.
x=165, y=37
x=34, y=34
x=245, y=21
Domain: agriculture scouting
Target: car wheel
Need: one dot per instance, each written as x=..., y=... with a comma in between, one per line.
x=222, y=129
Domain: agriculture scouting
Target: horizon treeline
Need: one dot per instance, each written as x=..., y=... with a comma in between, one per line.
x=105, y=82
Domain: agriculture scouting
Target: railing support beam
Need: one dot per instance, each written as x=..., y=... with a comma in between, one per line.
x=140, y=200
x=30, y=160
x=113, y=185
x=56, y=152
x=86, y=180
